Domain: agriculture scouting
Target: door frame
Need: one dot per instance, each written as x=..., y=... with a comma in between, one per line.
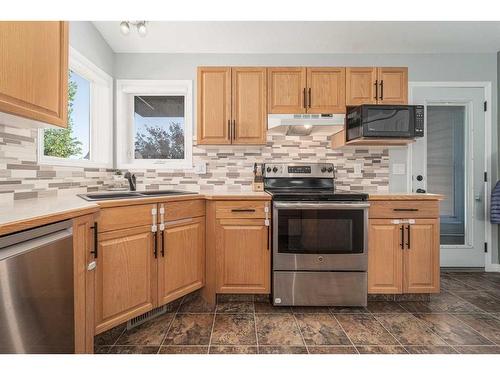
x=488, y=143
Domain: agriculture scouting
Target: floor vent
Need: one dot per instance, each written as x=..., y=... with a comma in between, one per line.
x=137, y=321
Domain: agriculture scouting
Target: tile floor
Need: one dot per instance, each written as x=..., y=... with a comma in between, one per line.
x=463, y=318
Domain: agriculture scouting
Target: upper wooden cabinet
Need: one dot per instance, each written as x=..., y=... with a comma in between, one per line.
x=34, y=70
x=376, y=86
x=232, y=105
x=306, y=90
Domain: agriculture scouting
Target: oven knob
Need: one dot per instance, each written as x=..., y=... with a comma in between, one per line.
x=320, y=258
x=330, y=170
x=268, y=169
x=323, y=169
x=275, y=169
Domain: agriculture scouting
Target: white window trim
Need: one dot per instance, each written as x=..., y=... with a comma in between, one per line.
x=101, y=117
x=124, y=122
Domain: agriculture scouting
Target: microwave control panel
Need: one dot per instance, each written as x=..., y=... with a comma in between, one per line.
x=419, y=121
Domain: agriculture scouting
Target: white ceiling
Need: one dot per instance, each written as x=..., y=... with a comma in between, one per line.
x=306, y=37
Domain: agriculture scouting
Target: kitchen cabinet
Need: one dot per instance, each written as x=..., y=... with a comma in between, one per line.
x=232, y=105
x=385, y=85
x=34, y=70
x=313, y=90
x=403, y=254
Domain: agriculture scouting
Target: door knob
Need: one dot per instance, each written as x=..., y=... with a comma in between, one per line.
x=477, y=198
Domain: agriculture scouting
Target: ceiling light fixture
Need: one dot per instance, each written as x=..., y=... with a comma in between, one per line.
x=140, y=26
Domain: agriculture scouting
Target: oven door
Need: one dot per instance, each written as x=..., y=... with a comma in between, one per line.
x=320, y=236
x=388, y=121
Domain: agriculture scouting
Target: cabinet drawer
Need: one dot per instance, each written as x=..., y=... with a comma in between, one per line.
x=403, y=209
x=184, y=209
x=240, y=209
x=125, y=217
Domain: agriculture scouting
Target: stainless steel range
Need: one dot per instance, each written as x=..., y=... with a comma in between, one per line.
x=319, y=237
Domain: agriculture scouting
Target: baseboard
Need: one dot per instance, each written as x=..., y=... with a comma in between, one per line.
x=492, y=268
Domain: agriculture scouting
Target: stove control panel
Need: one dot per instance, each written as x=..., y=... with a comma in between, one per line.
x=315, y=170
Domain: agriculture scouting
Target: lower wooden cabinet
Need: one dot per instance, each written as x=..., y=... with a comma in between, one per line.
x=181, y=262
x=243, y=259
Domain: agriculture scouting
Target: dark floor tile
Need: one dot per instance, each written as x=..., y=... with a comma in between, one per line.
x=381, y=349
x=268, y=308
x=310, y=310
x=282, y=349
x=278, y=329
x=232, y=349
x=478, y=349
x=481, y=299
x=110, y=336
x=183, y=349
x=495, y=293
x=190, y=329
x=452, y=284
x=412, y=297
x=424, y=307
x=329, y=349
x=430, y=349
x=491, y=276
x=321, y=329
x=385, y=307
x=261, y=298
x=234, y=329
x=452, y=330
x=234, y=307
x=348, y=310
x=174, y=305
x=442, y=302
x=485, y=324
x=235, y=298
x=363, y=329
x=409, y=330
x=476, y=281
x=195, y=304
x=381, y=297
x=133, y=349
x=102, y=349
x=149, y=333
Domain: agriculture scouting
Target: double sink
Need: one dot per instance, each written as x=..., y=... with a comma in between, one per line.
x=131, y=194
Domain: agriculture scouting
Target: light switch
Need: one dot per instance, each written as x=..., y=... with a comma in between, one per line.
x=200, y=167
x=398, y=168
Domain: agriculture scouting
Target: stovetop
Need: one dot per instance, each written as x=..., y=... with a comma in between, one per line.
x=316, y=195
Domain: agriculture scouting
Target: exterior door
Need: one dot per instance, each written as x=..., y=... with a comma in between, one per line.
x=326, y=90
x=125, y=277
x=361, y=86
x=385, y=257
x=214, y=105
x=181, y=260
x=249, y=105
x=450, y=160
x=393, y=85
x=286, y=90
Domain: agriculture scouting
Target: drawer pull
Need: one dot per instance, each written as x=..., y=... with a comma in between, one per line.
x=243, y=210
x=96, y=240
x=405, y=209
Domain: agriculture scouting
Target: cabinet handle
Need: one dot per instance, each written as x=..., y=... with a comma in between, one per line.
x=382, y=90
x=155, y=239
x=405, y=209
x=402, y=244
x=310, y=98
x=229, y=129
x=243, y=210
x=96, y=240
x=408, y=244
x=163, y=243
x=376, y=89
x=268, y=235
x=234, y=130
x=305, y=99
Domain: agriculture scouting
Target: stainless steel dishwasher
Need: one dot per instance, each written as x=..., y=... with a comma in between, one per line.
x=36, y=290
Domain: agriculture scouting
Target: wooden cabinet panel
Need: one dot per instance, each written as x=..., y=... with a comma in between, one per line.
x=243, y=259
x=249, y=105
x=393, y=85
x=184, y=209
x=181, y=263
x=361, y=86
x=34, y=70
x=421, y=257
x=384, y=257
x=126, y=217
x=241, y=209
x=286, y=90
x=214, y=105
x=125, y=277
x=326, y=90
x=404, y=209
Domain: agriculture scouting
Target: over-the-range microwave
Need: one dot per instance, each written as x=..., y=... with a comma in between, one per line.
x=384, y=121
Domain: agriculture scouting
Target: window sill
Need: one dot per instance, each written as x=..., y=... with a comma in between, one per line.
x=73, y=163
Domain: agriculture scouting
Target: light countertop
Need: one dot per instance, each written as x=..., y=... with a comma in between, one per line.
x=405, y=197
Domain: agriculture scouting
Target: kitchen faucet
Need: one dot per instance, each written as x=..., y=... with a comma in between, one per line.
x=131, y=180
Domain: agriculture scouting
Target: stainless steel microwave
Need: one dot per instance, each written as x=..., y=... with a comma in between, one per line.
x=384, y=121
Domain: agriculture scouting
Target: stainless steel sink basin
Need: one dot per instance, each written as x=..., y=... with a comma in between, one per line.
x=131, y=194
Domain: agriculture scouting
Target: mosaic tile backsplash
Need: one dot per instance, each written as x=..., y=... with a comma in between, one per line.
x=229, y=168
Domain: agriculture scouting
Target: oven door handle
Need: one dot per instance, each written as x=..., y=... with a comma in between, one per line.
x=321, y=205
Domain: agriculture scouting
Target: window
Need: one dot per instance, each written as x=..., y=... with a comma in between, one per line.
x=154, y=127
x=87, y=139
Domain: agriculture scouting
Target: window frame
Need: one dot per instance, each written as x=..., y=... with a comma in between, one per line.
x=101, y=117
x=125, y=149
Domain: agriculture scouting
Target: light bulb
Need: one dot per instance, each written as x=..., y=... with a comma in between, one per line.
x=124, y=27
x=142, y=29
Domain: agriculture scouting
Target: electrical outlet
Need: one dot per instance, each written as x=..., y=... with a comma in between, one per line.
x=200, y=168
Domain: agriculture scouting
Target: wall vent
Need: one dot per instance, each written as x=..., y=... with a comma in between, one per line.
x=146, y=317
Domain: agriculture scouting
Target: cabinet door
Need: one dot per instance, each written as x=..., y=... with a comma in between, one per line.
x=214, y=105
x=393, y=85
x=385, y=257
x=286, y=89
x=361, y=86
x=242, y=256
x=326, y=90
x=249, y=101
x=421, y=257
x=126, y=276
x=34, y=70
x=181, y=262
